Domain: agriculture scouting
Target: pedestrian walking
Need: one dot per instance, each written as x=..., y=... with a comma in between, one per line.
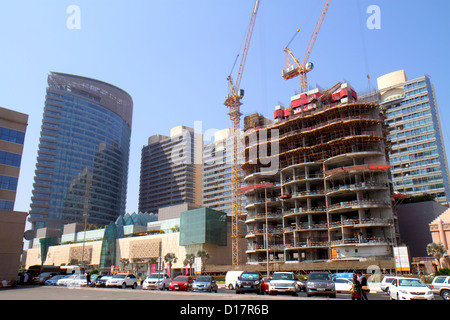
x=364, y=286
x=356, y=290
x=88, y=279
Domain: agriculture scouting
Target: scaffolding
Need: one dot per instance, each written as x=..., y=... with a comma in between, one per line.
x=331, y=189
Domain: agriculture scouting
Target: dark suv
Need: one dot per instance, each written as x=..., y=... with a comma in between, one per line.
x=249, y=282
x=320, y=283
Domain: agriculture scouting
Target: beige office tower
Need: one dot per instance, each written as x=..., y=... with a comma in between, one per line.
x=171, y=170
x=13, y=126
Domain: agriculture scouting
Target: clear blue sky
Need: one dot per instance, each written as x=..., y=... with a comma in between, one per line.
x=173, y=57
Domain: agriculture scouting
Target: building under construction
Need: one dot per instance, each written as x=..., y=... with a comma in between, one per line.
x=317, y=181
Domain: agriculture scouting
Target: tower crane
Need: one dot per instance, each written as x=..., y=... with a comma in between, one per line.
x=301, y=69
x=233, y=102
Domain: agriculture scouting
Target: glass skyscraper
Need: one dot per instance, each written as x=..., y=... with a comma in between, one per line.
x=82, y=161
x=417, y=155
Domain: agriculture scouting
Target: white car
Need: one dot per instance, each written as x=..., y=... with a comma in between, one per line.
x=386, y=282
x=343, y=285
x=156, y=281
x=441, y=286
x=409, y=289
x=283, y=282
x=78, y=281
x=53, y=280
x=122, y=280
x=66, y=280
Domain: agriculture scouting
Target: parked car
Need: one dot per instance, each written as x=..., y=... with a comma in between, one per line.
x=441, y=286
x=265, y=284
x=66, y=280
x=320, y=283
x=249, y=282
x=44, y=276
x=231, y=278
x=343, y=285
x=409, y=289
x=101, y=281
x=78, y=281
x=181, y=283
x=205, y=283
x=283, y=282
x=159, y=281
x=53, y=280
x=122, y=280
x=94, y=277
x=386, y=282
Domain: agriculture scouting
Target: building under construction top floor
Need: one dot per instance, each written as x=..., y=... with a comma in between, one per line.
x=318, y=181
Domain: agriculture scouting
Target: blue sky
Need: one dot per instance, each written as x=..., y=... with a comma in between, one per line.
x=173, y=58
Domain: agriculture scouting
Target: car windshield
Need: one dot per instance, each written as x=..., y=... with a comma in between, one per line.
x=203, y=279
x=44, y=274
x=105, y=277
x=249, y=276
x=155, y=276
x=181, y=278
x=119, y=276
x=283, y=276
x=319, y=276
x=341, y=280
x=410, y=283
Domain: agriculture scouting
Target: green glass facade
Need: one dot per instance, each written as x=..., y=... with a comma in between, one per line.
x=203, y=225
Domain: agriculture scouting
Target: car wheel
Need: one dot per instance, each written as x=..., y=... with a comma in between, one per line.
x=134, y=285
x=445, y=294
x=230, y=286
x=124, y=285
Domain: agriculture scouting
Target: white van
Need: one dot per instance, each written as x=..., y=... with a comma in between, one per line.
x=230, y=279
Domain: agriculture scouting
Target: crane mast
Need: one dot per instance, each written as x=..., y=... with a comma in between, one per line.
x=233, y=102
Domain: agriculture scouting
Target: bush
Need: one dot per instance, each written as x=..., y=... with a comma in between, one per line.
x=443, y=272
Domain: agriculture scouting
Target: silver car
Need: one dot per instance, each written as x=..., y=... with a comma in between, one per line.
x=205, y=283
x=156, y=281
x=285, y=282
x=320, y=283
x=441, y=286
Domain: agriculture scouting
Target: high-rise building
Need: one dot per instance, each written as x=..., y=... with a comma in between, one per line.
x=217, y=163
x=13, y=126
x=82, y=163
x=171, y=170
x=417, y=155
x=318, y=185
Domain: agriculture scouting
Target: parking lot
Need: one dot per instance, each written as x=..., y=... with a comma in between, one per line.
x=36, y=292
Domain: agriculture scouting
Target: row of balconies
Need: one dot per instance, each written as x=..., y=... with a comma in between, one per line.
x=345, y=205
x=307, y=243
x=338, y=224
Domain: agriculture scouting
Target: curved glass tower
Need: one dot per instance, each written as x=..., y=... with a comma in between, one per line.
x=82, y=162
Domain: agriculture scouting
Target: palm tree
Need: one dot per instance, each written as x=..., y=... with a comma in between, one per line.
x=189, y=260
x=203, y=254
x=136, y=262
x=437, y=251
x=124, y=262
x=170, y=258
